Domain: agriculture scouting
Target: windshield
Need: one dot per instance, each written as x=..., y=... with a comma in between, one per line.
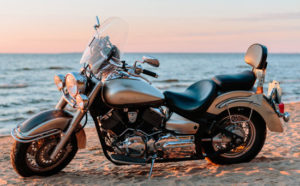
x=111, y=34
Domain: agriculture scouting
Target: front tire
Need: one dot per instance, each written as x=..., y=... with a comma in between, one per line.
x=33, y=158
x=253, y=131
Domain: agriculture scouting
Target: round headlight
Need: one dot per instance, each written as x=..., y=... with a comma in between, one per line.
x=59, y=81
x=75, y=83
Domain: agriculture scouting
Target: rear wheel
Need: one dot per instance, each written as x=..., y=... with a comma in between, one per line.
x=33, y=158
x=253, y=132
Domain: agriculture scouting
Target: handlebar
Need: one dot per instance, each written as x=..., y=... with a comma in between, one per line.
x=150, y=73
x=137, y=70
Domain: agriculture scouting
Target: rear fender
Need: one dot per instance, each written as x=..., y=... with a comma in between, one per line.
x=248, y=99
x=46, y=124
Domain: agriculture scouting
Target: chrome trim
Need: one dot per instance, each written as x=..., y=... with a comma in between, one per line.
x=27, y=139
x=255, y=99
x=286, y=116
x=176, y=146
x=69, y=99
x=133, y=146
x=260, y=76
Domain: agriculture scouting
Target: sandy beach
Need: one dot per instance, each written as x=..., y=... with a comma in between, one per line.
x=277, y=164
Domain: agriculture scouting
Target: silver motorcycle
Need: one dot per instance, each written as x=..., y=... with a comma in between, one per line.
x=223, y=119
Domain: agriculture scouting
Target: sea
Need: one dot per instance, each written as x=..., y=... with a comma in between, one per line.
x=27, y=86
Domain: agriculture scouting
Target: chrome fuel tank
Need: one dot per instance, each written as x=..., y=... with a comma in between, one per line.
x=131, y=92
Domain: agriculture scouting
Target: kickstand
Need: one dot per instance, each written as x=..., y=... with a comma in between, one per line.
x=152, y=164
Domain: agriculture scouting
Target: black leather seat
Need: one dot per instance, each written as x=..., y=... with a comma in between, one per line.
x=194, y=101
x=240, y=81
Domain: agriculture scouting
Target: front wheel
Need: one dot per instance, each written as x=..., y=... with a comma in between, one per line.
x=33, y=158
x=252, y=130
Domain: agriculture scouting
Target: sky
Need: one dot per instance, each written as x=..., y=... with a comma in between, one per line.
x=61, y=26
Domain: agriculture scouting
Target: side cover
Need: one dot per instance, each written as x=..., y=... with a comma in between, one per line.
x=251, y=100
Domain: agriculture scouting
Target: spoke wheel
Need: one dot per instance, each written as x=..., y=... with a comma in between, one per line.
x=241, y=127
x=34, y=158
x=252, y=131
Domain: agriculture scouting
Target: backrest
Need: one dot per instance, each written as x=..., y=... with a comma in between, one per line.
x=256, y=56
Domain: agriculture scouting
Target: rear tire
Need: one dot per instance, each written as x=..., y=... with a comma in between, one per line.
x=30, y=159
x=252, y=144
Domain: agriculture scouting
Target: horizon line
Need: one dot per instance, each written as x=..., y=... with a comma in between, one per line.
x=57, y=53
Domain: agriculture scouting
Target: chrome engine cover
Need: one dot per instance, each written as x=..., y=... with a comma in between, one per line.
x=176, y=146
x=167, y=146
x=133, y=146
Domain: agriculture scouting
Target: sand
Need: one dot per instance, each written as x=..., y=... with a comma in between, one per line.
x=277, y=164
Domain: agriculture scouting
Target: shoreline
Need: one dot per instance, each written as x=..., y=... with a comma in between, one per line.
x=277, y=164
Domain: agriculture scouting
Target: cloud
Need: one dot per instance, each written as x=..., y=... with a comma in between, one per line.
x=247, y=31
x=268, y=17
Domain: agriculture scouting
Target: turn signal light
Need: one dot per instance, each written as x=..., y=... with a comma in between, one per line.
x=59, y=81
x=82, y=101
x=281, y=108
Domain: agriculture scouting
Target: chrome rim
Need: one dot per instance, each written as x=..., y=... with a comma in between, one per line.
x=38, y=154
x=241, y=126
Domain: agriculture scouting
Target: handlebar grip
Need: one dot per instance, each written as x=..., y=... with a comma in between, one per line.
x=150, y=73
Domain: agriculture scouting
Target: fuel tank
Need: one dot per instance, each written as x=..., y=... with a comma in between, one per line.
x=131, y=92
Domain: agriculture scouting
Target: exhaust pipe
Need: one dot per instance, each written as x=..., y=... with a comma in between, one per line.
x=286, y=116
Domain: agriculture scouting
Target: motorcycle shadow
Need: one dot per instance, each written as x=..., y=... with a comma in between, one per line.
x=192, y=170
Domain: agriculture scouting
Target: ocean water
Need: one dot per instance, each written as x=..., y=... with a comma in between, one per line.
x=27, y=87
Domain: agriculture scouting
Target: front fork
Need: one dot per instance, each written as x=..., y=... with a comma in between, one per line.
x=61, y=104
x=76, y=119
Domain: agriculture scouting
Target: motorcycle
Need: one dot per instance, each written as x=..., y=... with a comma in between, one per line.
x=223, y=119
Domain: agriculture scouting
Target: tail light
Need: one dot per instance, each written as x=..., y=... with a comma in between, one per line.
x=281, y=108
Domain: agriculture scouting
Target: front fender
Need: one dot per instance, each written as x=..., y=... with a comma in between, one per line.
x=45, y=124
x=44, y=121
x=251, y=100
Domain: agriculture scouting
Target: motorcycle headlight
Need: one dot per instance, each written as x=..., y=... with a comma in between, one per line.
x=75, y=83
x=59, y=81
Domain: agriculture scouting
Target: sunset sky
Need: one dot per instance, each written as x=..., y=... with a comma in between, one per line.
x=58, y=26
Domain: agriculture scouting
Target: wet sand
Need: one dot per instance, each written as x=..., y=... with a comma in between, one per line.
x=277, y=164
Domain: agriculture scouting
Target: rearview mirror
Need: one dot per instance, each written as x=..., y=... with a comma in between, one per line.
x=151, y=61
x=98, y=23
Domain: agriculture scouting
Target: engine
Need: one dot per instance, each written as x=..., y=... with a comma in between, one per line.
x=167, y=146
x=142, y=135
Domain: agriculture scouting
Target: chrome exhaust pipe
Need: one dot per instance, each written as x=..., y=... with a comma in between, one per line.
x=286, y=116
